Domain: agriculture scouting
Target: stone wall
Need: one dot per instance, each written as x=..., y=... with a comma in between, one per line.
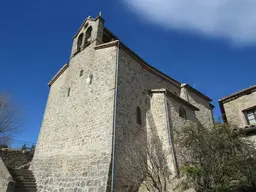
x=74, y=148
x=205, y=113
x=14, y=158
x=176, y=125
x=6, y=181
x=134, y=82
x=234, y=109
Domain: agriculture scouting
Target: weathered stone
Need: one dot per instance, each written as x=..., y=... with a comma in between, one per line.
x=15, y=158
x=83, y=119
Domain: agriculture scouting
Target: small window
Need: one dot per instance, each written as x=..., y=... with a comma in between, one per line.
x=80, y=41
x=139, y=116
x=105, y=38
x=182, y=112
x=250, y=116
x=89, y=79
x=81, y=73
x=68, y=92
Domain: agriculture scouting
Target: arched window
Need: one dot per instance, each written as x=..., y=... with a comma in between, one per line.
x=182, y=112
x=80, y=41
x=89, y=32
x=139, y=116
x=88, y=35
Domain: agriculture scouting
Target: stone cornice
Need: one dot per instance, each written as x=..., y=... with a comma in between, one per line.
x=177, y=98
x=105, y=45
x=58, y=74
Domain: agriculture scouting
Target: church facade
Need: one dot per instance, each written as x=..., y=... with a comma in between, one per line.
x=97, y=105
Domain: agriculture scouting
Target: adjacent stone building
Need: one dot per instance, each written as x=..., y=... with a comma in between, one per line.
x=98, y=104
x=239, y=109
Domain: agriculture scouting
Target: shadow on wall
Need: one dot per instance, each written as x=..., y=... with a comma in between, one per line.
x=175, y=128
x=131, y=160
x=140, y=154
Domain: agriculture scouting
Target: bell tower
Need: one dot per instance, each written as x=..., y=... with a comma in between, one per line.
x=90, y=32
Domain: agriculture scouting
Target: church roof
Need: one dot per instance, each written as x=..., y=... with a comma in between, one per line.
x=150, y=68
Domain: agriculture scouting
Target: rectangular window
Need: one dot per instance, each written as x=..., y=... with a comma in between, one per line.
x=139, y=116
x=81, y=73
x=68, y=92
x=251, y=116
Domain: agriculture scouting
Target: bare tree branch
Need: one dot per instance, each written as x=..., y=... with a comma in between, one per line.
x=145, y=165
x=10, y=118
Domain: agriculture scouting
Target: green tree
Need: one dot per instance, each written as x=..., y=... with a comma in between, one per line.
x=24, y=147
x=216, y=159
x=32, y=149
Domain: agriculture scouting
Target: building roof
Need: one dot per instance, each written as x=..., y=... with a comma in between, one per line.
x=176, y=97
x=232, y=97
x=247, y=131
x=150, y=68
x=239, y=94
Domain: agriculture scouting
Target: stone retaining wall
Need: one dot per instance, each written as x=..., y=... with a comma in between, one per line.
x=15, y=158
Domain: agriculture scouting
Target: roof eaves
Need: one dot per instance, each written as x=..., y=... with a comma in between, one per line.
x=110, y=33
x=105, y=45
x=150, y=68
x=239, y=93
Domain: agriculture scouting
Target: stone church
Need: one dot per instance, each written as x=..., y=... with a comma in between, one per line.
x=96, y=105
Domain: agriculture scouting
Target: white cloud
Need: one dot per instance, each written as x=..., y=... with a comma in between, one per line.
x=231, y=19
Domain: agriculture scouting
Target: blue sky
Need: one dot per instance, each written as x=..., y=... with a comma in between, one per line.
x=215, y=53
